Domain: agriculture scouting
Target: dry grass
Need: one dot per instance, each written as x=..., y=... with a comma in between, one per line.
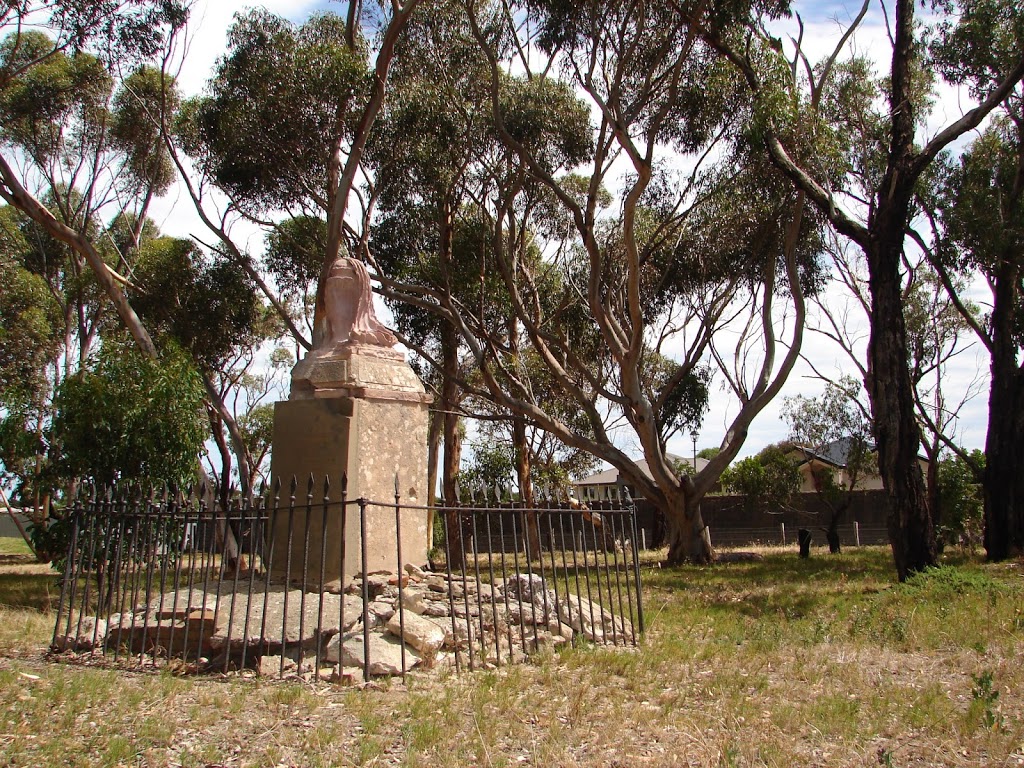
x=781, y=662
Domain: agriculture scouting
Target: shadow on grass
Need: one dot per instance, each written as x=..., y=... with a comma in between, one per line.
x=37, y=592
x=781, y=582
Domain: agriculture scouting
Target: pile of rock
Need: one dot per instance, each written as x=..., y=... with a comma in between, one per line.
x=419, y=620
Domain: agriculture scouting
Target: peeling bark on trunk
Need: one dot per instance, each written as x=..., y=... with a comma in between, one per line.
x=911, y=532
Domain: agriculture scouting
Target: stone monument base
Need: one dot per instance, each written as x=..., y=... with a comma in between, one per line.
x=362, y=412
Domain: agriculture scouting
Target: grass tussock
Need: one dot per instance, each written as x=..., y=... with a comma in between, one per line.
x=779, y=662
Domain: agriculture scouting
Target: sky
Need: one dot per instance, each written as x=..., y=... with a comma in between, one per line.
x=824, y=22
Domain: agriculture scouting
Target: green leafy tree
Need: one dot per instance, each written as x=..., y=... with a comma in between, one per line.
x=129, y=418
x=962, y=498
x=834, y=426
x=284, y=127
x=767, y=481
x=612, y=291
x=72, y=130
x=888, y=200
x=982, y=215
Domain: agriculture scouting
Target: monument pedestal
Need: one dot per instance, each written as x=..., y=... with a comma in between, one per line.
x=361, y=411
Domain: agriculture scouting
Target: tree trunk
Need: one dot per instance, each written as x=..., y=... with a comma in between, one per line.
x=1004, y=450
x=434, y=429
x=522, y=451
x=911, y=532
x=688, y=538
x=1004, y=469
x=452, y=441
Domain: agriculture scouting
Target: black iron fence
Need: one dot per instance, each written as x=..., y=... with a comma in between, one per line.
x=329, y=587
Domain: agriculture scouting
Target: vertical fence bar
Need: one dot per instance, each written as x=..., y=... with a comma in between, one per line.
x=636, y=576
x=323, y=576
x=448, y=581
x=400, y=566
x=618, y=574
x=343, y=524
x=305, y=571
x=209, y=517
x=554, y=568
x=287, y=573
x=366, y=588
x=607, y=572
x=490, y=576
x=102, y=579
x=193, y=550
x=565, y=572
x=465, y=591
x=68, y=583
x=252, y=505
x=273, y=516
x=519, y=579
x=476, y=573
x=504, y=591
x=175, y=538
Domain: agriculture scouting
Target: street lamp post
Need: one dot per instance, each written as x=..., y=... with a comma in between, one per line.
x=693, y=436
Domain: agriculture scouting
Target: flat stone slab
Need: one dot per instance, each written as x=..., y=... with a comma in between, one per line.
x=385, y=653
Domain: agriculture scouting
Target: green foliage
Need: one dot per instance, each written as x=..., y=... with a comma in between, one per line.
x=130, y=418
x=767, y=480
x=295, y=253
x=987, y=696
x=30, y=319
x=492, y=464
x=209, y=307
x=278, y=102
x=138, y=105
x=57, y=104
x=961, y=500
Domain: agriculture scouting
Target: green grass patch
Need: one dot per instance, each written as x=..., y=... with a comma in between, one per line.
x=781, y=662
x=16, y=546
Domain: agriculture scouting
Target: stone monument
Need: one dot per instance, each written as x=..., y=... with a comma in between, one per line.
x=356, y=407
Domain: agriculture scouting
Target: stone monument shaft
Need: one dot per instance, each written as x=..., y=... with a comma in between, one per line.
x=356, y=408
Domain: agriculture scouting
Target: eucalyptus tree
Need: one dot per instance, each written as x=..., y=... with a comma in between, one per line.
x=211, y=311
x=428, y=154
x=68, y=133
x=981, y=212
x=284, y=127
x=877, y=217
x=982, y=219
x=615, y=291
x=834, y=423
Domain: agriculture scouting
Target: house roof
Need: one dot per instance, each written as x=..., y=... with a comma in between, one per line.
x=836, y=453
x=611, y=476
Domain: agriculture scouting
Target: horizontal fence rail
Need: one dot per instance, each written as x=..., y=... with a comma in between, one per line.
x=320, y=587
